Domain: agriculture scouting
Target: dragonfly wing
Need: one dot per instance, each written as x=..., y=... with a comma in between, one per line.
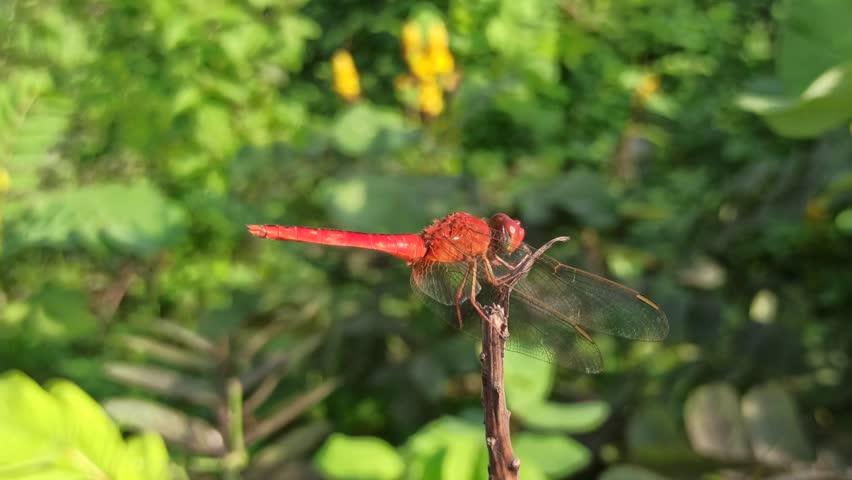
x=579, y=299
x=551, y=342
x=441, y=281
x=556, y=343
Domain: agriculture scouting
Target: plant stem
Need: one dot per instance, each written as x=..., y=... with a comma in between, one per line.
x=502, y=463
x=237, y=457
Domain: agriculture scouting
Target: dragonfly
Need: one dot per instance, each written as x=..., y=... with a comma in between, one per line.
x=458, y=259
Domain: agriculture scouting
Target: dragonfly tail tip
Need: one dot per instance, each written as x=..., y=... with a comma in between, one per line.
x=257, y=230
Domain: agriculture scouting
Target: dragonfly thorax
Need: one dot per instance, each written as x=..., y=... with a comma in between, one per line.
x=458, y=237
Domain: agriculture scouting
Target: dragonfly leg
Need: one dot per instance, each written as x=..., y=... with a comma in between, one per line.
x=489, y=272
x=473, y=295
x=459, y=294
x=508, y=266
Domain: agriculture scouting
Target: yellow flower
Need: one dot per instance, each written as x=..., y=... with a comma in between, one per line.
x=439, y=52
x=648, y=86
x=420, y=65
x=431, y=98
x=4, y=180
x=346, y=82
x=411, y=38
x=441, y=61
x=438, y=38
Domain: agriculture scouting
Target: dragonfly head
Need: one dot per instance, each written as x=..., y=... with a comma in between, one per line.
x=508, y=231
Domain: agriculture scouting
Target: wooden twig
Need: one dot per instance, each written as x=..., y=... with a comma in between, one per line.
x=502, y=463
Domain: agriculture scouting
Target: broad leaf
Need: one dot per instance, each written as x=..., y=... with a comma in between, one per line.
x=714, y=423
x=63, y=433
x=578, y=417
x=358, y=458
x=556, y=455
x=774, y=426
x=135, y=219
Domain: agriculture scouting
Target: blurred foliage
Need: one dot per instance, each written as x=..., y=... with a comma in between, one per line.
x=63, y=433
x=699, y=151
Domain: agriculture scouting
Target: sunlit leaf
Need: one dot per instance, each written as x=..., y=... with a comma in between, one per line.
x=528, y=381
x=629, y=472
x=136, y=219
x=714, y=424
x=428, y=451
x=194, y=434
x=358, y=458
x=774, y=426
x=63, y=433
x=824, y=105
x=556, y=455
x=568, y=417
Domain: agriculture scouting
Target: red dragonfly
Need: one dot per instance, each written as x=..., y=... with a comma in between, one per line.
x=456, y=256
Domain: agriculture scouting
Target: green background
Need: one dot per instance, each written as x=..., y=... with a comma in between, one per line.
x=138, y=138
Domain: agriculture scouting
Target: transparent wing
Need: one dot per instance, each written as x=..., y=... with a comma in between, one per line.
x=532, y=335
x=565, y=295
x=442, y=282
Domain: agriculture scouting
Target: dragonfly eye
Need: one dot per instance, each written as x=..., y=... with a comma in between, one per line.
x=512, y=233
x=507, y=241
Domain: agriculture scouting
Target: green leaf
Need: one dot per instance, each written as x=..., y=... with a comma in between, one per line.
x=147, y=457
x=194, y=434
x=578, y=417
x=843, y=221
x=243, y=41
x=164, y=381
x=32, y=121
x=135, y=219
x=63, y=433
x=824, y=105
x=629, y=472
x=295, y=444
x=581, y=193
x=165, y=352
x=364, y=128
x=528, y=381
x=774, y=426
x=213, y=130
x=448, y=448
x=529, y=470
x=296, y=31
x=527, y=35
x=391, y=204
x=556, y=455
x=348, y=457
x=59, y=313
x=654, y=435
x=714, y=423
x=814, y=36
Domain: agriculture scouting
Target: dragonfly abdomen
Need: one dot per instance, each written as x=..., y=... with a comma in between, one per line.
x=409, y=247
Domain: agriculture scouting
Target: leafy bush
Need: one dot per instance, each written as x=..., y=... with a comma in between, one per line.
x=137, y=138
